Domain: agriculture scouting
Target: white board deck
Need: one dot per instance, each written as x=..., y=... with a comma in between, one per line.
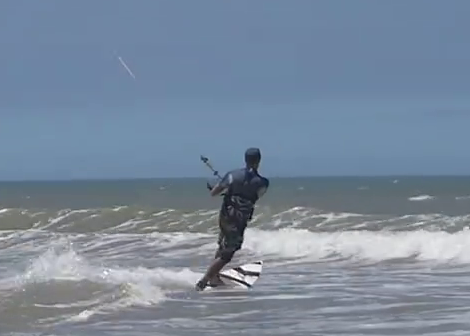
x=241, y=276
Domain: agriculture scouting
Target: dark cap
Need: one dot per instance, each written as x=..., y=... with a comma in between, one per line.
x=252, y=155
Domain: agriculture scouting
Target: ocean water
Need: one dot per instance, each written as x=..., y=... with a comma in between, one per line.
x=342, y=256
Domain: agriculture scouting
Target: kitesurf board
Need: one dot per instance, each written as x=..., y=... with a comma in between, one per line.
x=242, y=276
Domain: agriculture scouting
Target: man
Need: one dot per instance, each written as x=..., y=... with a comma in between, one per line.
x=241, y=188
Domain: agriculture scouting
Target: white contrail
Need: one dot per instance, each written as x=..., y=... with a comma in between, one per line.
x=125, y=66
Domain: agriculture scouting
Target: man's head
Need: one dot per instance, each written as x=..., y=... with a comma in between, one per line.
x=252, y=157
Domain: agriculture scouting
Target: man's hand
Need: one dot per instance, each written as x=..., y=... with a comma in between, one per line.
x=221, y=186
x=215, y=190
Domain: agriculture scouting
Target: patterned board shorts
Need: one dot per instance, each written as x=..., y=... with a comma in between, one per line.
x=230, y=237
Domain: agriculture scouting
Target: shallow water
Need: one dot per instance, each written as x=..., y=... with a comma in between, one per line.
x=116, y=270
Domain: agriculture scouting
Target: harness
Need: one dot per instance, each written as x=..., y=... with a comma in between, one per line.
x=238, y=204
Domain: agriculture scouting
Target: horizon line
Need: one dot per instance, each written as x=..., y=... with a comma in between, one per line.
x=114, y=179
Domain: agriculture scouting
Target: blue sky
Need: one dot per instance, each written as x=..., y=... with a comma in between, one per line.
x=322, y=87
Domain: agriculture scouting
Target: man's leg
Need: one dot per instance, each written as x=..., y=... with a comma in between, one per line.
x=222, y=258
x=229, y=242
x=211, y=273
x=215, y=280
x=211, y=276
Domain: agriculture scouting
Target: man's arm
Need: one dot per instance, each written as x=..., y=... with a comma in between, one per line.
x=222, y=184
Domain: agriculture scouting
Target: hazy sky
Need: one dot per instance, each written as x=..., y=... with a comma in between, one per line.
x=322, y=87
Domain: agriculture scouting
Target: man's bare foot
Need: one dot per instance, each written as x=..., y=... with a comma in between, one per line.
x=216, y=281
x=200, y=285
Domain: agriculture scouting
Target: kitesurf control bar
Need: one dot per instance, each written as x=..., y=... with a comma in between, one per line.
x=215, y=172
x=208, y=164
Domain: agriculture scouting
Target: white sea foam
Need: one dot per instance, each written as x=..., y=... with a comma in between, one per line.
x=420, y=245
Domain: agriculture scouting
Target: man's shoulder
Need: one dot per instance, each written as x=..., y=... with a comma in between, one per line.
x=237, y=170
x=240, y=173
x=263, y=178
x=264, y=181
x=237, y=173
